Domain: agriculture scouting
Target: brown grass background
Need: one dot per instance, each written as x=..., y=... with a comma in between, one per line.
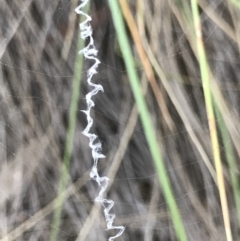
x=38, y=40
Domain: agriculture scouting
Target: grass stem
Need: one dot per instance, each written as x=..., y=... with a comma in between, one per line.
x=205, y=76
x=146, y=121
x=70, y=137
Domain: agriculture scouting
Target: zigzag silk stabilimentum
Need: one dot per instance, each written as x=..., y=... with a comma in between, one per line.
x=90, y=52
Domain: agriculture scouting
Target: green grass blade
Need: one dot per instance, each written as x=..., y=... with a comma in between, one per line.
x=70, y=136
x=236, y=3
x=146, y=121
x=228, y=150
x=205, y=76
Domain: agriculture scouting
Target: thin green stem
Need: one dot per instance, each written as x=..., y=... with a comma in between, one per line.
x=228, y=150
x=205, y=76
x=146, y=121
x=70, y=137
x=236, y=3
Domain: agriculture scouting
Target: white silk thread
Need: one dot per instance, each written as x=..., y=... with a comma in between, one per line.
x=90, y=52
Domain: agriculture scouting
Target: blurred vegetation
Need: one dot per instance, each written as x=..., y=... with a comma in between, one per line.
x=186, y=54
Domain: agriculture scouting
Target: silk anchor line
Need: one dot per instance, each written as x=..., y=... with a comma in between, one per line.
x=90, y=52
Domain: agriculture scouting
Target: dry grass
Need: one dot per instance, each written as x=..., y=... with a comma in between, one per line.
x=38, y=47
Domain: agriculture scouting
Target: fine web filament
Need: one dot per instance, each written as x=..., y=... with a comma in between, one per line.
x=90, y=52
